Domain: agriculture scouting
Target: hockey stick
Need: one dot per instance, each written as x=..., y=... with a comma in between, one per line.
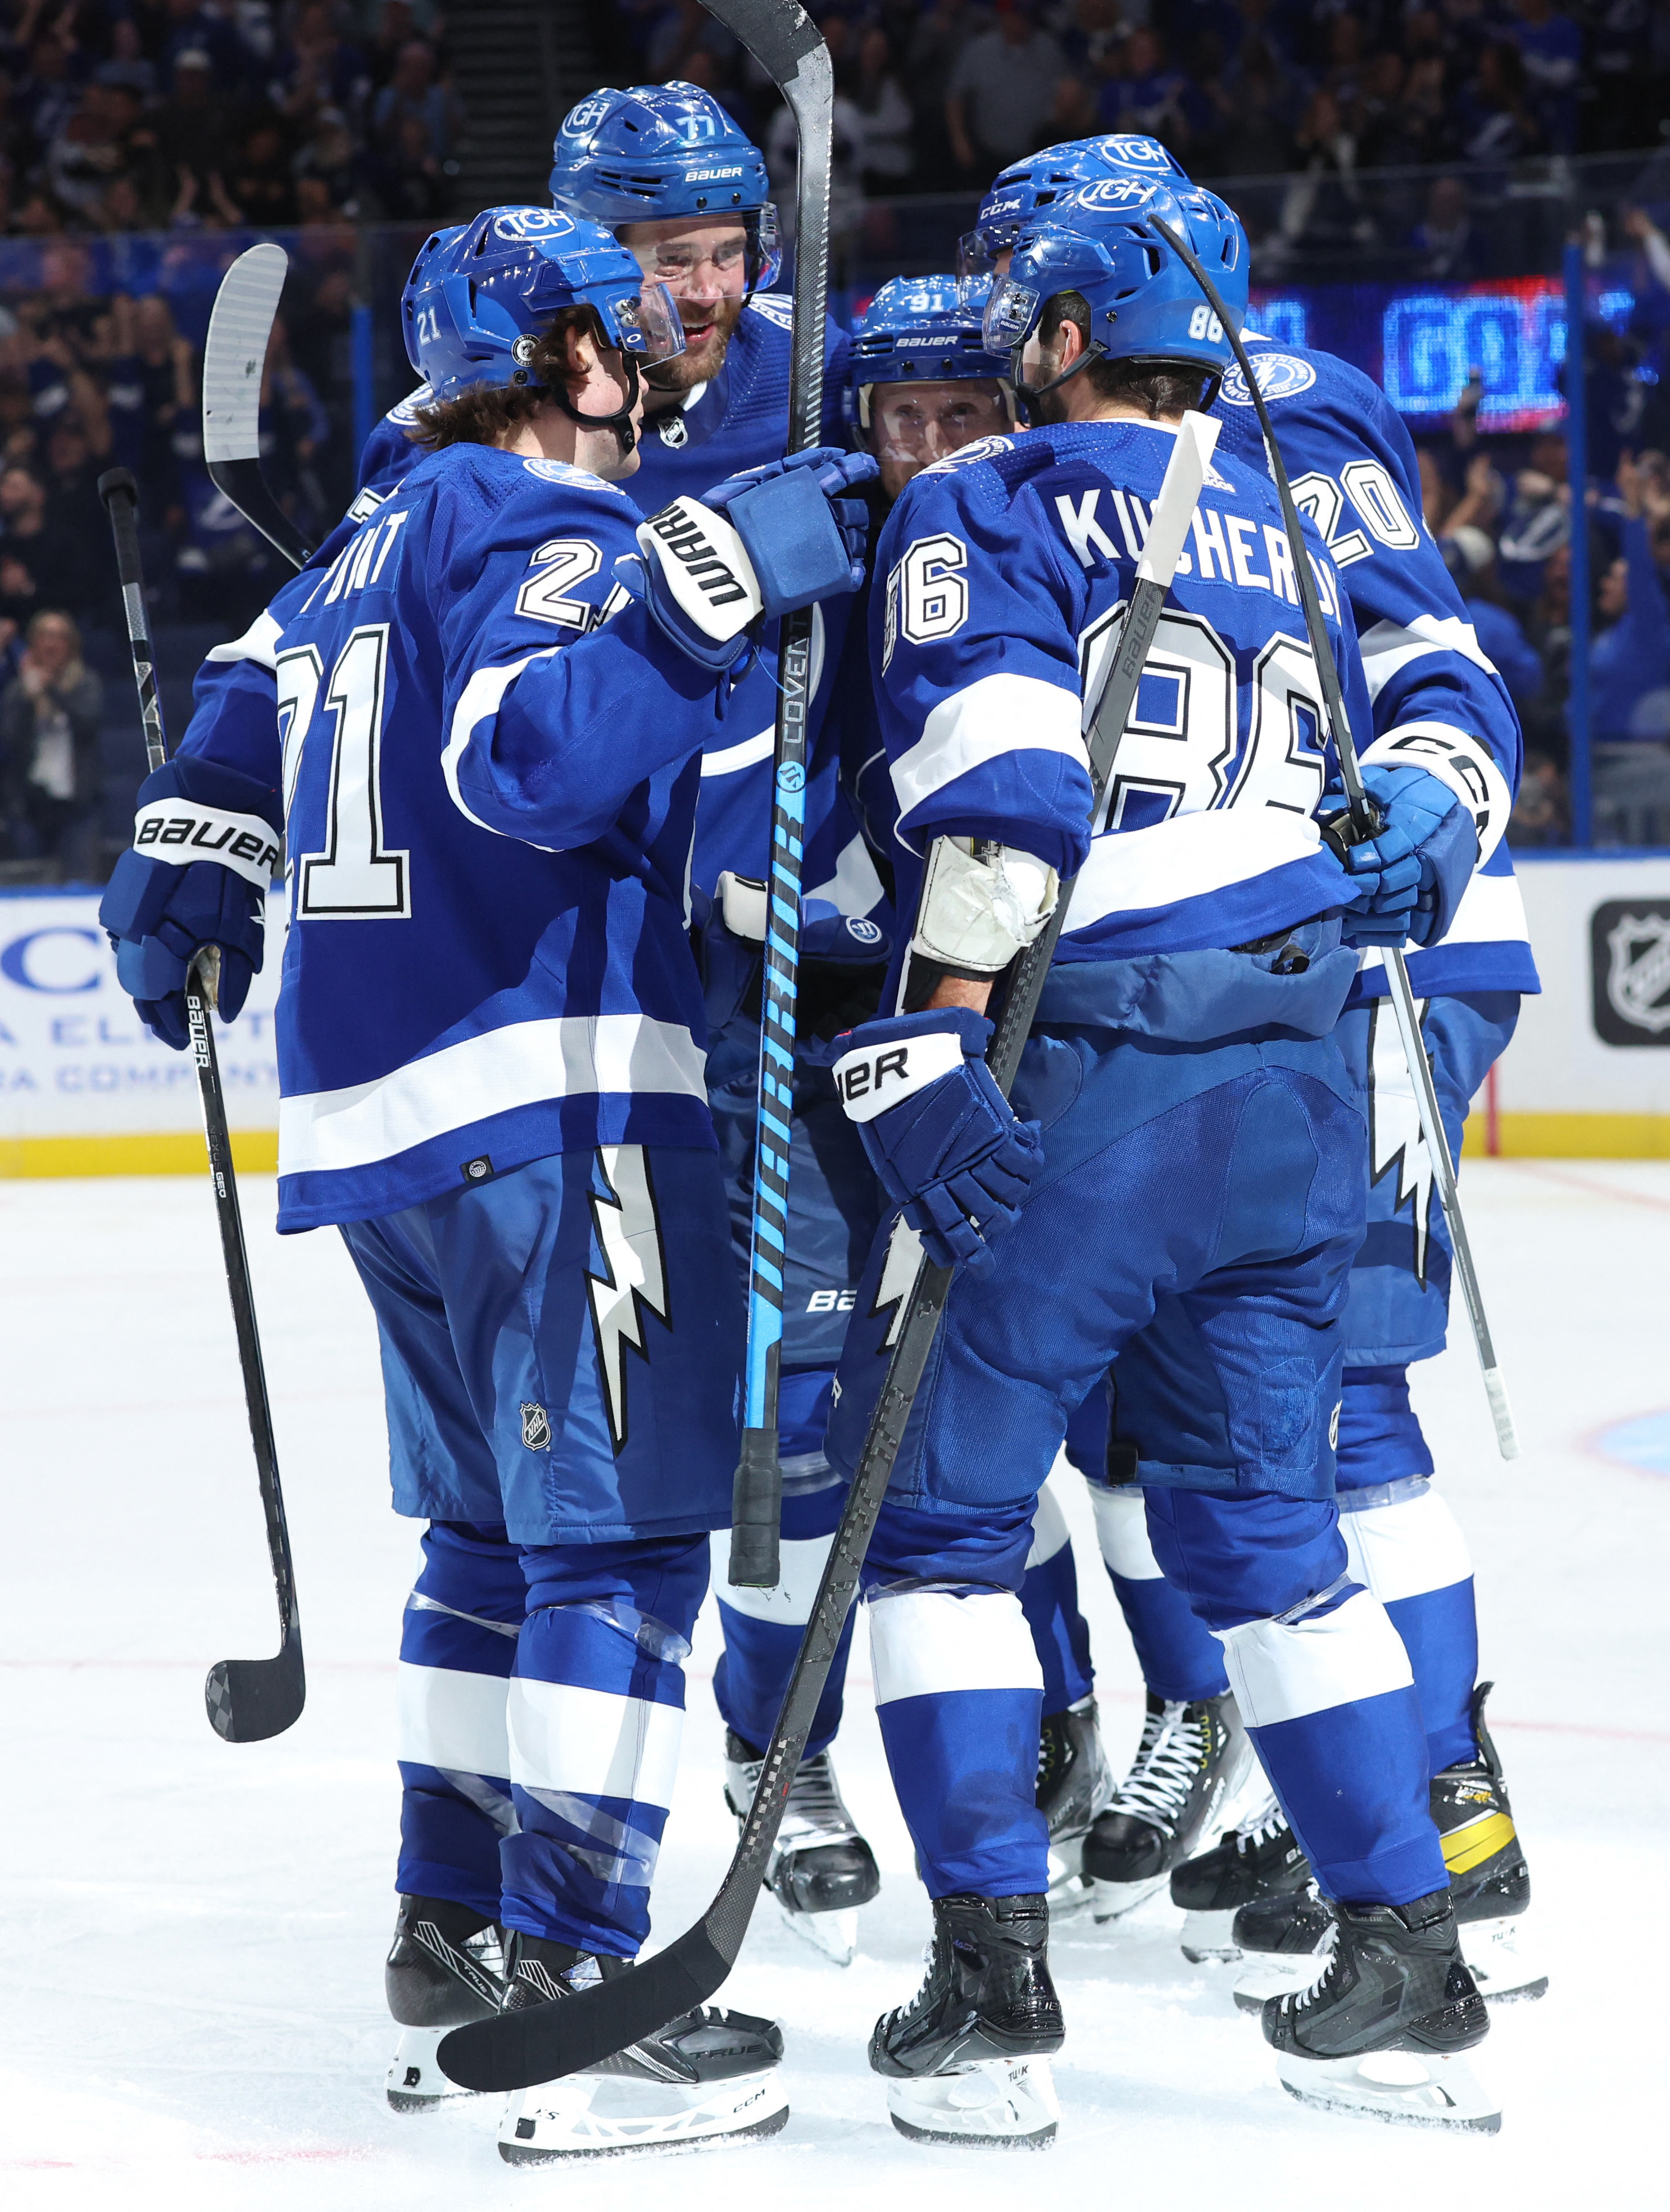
x=789, y=48
x=234, y=359
x=247, y=1698
x=1365, y=821
x=519, y=2049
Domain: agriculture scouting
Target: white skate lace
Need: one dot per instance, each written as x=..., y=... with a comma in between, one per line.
x=814, y=1812
x=1168, y=1759
x=1263, y=1826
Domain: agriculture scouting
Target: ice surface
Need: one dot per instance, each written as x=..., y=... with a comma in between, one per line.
x=193, y=1932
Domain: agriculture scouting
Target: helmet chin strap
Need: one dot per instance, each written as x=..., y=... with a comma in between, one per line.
x=1028, y=394
x=620, y=421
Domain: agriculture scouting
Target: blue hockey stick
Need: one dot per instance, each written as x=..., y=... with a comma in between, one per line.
x=805, y=77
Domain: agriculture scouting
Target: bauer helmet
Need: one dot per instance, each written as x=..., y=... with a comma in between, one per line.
x=921, y=329
x=480, y=294
x=1026, y=188
x=656, y=152
x=1099, y=241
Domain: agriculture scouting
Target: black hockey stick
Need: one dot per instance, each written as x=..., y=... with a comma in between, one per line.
x=247, y=1698
x=518, y=2050
x=234, y=356
x=1364, y=818
x=789, y=48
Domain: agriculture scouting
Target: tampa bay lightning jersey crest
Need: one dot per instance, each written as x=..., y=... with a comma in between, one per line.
x=1002, y=580
x=1354, y=473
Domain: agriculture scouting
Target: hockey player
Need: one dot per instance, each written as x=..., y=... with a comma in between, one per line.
x=492, y=698
x=1185, y=1156
x=1353, y=469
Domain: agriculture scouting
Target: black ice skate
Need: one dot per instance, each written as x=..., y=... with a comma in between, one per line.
x=821, y=1870
x=1074, y=1783
x=706, y=2075
x=967, y=2058
x=1192, y=1769
x=445, y=1968
x=1383, y=2031
x=1262, y=1858
x=1489, y=1885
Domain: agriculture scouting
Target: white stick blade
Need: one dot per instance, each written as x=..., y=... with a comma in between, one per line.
x=1180, y=489
x=1507, y=1437
x=236, y=353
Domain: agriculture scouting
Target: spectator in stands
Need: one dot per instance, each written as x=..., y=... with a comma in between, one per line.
x=1493, y=114
x=318, y=71
x=48, y=567
x=1551, y=47
x=50, y=765
x=152, y=396
x=1001, y=97
x=935, y=46
x=189, y=130
x=327, y=172
x=1444, y=239
x=1254, y=139
x=878, y=96
x=1628, y=663
x=411, y=95
x=1470, y=556
x=260, y=179
x=1146, y=94
x=126, y=65
x=1324, y=209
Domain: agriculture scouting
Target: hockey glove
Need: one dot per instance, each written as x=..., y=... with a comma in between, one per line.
x=761, y=544
x=942, y=1138
x=205, y=843
x=1410, y=878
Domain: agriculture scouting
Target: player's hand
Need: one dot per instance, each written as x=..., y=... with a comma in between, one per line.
x=834, y=473
x=1409, y=879
x=167, y=897
x=943, y=1140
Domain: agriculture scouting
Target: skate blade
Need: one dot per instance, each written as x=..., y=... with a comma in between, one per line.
x=1209, y=1938
x=832, y=1934
x=1070, y=1887
x=415, y=2083
x=1490, y=1948
x=1112, y=1900
x=998, y=2103
x=1409, y=2088
x=603, y=2115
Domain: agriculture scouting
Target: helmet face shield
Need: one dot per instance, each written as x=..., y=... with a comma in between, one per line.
x=923, y=422
x=1010, y=312
x=647, y=326
x=979, y=250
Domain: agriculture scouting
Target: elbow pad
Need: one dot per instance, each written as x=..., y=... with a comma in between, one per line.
x=978, y=910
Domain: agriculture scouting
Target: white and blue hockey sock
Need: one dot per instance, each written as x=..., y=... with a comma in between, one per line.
x=1179, y=1656
x=763, y=1627
x=457, y=1643
x=1405, y=1546
x=596, y=1713
x=1049, y=1599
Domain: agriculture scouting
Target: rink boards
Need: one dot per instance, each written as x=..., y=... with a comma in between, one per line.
x=85, y=1090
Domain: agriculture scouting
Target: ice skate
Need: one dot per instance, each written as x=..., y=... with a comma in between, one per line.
x=821, y=1870
x=1381, y=2031
x=1192, y=1767
x=1489, y=1885
x=1262, y=1858
x=1074, y=1783
x=705, y=2077
x=967, y=2058
x=445, y=1968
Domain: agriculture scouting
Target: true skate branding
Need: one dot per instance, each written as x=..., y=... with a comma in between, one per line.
x=687, y=539
x=872, y=1079
x=179, y=830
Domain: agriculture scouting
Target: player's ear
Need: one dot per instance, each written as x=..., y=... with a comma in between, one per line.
x=579, y=352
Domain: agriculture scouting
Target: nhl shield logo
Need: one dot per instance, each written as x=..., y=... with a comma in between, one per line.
x=536, y=1428
x=673, y=429
x=1630, y=944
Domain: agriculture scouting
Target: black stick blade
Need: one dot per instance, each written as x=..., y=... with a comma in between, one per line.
x=519, y=2050
x=250, y=1699
x=246, y=487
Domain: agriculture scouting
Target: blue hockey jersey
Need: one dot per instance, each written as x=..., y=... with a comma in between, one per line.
x=488, y=761
x=1007, y=571
x=1353, y=471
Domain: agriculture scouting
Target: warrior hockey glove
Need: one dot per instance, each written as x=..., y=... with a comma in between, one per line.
x=1410, y=878
x=761, y=543
x=941, y=1136
x=205, y=843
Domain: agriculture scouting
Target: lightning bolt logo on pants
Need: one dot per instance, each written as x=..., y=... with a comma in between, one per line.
x=1395, y=1123
x=628, y=1233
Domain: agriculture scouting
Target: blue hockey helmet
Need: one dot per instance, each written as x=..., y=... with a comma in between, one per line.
x=1099, y=241
x=656, y=152
x=1025, y=188
x=926, y=329
x=480, y=293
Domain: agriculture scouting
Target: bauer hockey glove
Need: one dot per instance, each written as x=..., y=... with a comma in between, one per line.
x=943, y=1140
x=1410, y=878
x=205, y=843
x=759, y=545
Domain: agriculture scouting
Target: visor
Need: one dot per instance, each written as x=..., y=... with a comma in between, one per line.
x=977, y=250
x=1010, y=314
x=647, y=327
